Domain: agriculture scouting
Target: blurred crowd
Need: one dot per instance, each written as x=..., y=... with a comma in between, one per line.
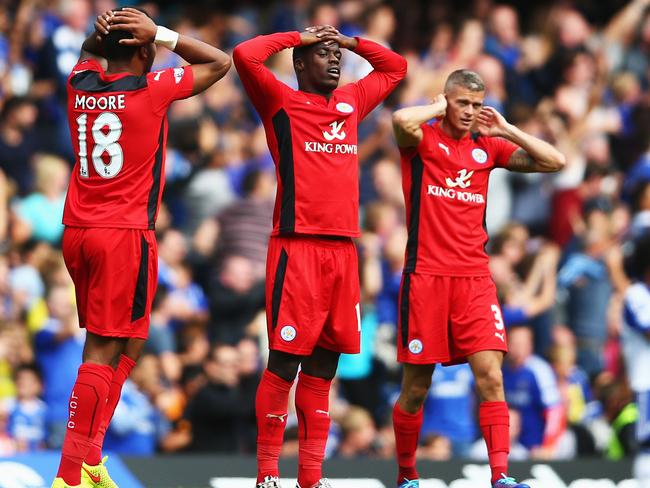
x=574, y=73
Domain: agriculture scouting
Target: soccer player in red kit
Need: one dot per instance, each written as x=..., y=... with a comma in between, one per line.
x=117, y=114
x=312, y=283
x=448, y=308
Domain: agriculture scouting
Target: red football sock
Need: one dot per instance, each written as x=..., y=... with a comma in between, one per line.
x=126, y=364
x=407, y=432
x=494, y=420
x=312, y=407
x=271, y=411
x=85, y=408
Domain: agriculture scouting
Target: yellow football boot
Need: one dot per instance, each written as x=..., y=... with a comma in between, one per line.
x=96, y=476
x=59, y=483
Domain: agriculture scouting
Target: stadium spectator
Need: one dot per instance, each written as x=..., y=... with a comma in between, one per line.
x=235, y=299
x=58, y=347
x=532, y=390
x=435, y=447
x=7, y=441
x=578, y=404
x=27, y=414
x=137, y=424
x=449, y=408
x=218, y=409
x=246, y=224
x=636, y=350
x=38, y=216
x=359, y=434
x=584, y=279
x=18, y=142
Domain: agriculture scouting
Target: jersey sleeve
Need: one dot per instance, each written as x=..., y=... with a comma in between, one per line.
x=389, y=68
x=410, y=151
x=501, y=149
x=263, y=88
x=168, y=85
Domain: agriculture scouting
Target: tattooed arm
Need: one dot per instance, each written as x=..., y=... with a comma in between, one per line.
x=533, y=155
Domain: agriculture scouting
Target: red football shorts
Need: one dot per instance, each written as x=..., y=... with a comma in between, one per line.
x=444, y=319
x=115, y=273
x=312, y=295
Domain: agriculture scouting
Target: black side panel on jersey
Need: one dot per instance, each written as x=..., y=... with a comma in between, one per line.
x=140, y=296
x=152, y=205
x=404, y=310
x=90, y=81
x=417, y=168
x=282, y=129
x=278, y=285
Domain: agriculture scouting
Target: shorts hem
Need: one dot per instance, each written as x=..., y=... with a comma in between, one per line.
x=463, y=359
x=104, y=333
x=449, y=360
x=306, y=352
x=422, y=361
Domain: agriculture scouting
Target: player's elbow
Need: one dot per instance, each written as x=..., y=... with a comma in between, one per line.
x=220, y=67
x=225, y=64
x=401, y=67
x=404, y=123
x=558, y=162
x=240, y=53
x=400, y=119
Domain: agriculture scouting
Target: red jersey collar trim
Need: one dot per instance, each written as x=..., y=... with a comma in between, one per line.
x=317, y=97
x=443, y=134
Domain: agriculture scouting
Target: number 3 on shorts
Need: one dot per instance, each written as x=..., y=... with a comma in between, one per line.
x=498, y=322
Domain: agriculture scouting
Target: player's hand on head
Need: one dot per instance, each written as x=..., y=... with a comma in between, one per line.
x=317, y=33
x=440, y=101
x=137, y=23
x=103, y=22
x=330, y=34
x=344, y=41
x=491, y=123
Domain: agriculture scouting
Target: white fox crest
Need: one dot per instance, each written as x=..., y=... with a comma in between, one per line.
x=462, y=180
x=335, y=132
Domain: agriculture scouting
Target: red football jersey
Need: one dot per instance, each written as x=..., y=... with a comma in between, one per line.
x=445, y=185
x=118, y=126
x=313, y=140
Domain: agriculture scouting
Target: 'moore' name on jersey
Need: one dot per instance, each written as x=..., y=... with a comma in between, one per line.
x=109, y=102
x=445, y=185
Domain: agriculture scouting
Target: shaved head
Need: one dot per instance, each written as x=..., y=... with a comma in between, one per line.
x=465, y=78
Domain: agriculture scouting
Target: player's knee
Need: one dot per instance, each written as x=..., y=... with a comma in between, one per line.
x=415, y=395
x=489, y=382
x=322, y=363
x=283, y=365
x=326, y=370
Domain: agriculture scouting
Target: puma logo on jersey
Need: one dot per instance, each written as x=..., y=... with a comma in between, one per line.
x=335, y=133
x=282, y=418
x=500, y=336
x=157, y=75
x=461, y=181
x=443, y=147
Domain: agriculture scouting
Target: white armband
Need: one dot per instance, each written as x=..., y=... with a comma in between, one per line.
x=166, y=37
